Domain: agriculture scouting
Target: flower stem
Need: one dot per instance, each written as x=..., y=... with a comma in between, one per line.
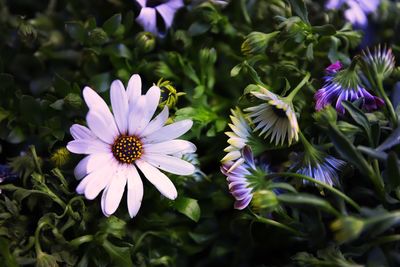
x=388, y=103
x=277, y=224
x=298, y=87
x=322, y=184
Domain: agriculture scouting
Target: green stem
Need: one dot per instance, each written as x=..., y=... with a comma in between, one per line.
x=322, y=184
x=298, y=87
x=277, y=224
x=81, y=240
x=35, y=159
x=388, y=103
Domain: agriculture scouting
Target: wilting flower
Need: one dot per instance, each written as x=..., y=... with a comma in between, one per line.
x=237, y=139
x=156, y=16
x=117, y=144
x=344, y=84
x=275, y=117
x=319, y=166
x=381, y=61
x=239, y=183
x=357, y=10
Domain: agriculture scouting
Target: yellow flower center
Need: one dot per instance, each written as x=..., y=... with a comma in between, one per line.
x=127, y=149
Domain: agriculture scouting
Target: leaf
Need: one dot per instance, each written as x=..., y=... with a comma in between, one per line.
x=307, y=199
x=359, y=117
x=198, y=28
x=347, y=150
x=121, y=256
x=119, y=51
x=76, y=31
x=391, y=141
x=393, y=170
x=300, y=9
x=325, y=30
x=188, y=207
x=100, y=82
x=111, y=25
x=7, y=257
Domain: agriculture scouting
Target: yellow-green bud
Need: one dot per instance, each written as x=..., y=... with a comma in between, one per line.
x=46, y=260
x=97, y=36
x=264, y=200
x=27, y=32
x=325, y=116
x=347, y=228
x=170, y=94
x=145, y=42
x=60, y=157
x=257, y=42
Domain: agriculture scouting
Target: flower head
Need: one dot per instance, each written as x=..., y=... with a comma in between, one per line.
x=275, y=117
x=238, y=138
x=357, y=10
x=381, y=61
x=119, y=144
x=319, y=166
x=156, y=16
x=344, y=84
x=242, y=179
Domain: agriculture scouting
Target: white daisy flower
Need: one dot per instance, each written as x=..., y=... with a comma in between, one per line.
x=237, y=139
x=275, y=118
x=119, y=144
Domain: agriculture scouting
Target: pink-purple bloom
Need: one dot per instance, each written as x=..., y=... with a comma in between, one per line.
x=357, y=10
x=335, y=90
x=156, y=16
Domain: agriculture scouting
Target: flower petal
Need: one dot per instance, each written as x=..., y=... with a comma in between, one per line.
x=103, y=129
x=119, y=103
x=94, y=101
x=91, y=163
x=169, y=132
x=81, y=132
x=170, y=164
x=158, y=179
x=101, y=179
x=147, y=18
x=135, y=115
x=134, y=90
x=135, y=191
x=88, y=146
x=156, y=123
x=115, y=190
x=152, y=98
x=170, y=147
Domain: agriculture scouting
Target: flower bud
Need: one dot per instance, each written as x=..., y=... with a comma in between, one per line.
x=257, y=42
x=347, y=228
x=97, y=36
x=145, y=42
x=264, y=200
x=27, y=32
x=381, y=61
x=46, y=260
x=60, y=157
x=325, y=116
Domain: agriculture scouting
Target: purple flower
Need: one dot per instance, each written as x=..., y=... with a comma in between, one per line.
x=323, y=168
x=156, y=16
x=343, y=85
x=357, y=10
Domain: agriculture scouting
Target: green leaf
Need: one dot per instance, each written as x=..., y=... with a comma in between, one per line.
x=7, y=257
x=359, y=117
x=307, y=199
x=119, y=51
x=188, y=207
x=393, y=170
x=300, y=9
x=121, y=256
x=76, y=31
x=391, y=141
x=347, y=150
x=111, y=25
x=100, y=82
x=325, y=30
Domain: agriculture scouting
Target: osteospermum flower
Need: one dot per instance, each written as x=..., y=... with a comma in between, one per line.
x=156, y=16
x=357, y=10
x=120, y=144
x=344, y=84
x=239, y=183
x=238, y=138
x=324, y=169
x=275, y=117
x=381, y=61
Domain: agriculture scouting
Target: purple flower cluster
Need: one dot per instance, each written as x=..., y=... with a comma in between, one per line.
x=334, y=92
x=357, y=10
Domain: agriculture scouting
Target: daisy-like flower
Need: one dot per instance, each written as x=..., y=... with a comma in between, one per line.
x=275, y=117
x=119, y=144
x=238, y=138
x=357, y=10
x=156, y=16
x=344, y=84
x=323, y=169
x=238, y=179
x=381, y=61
